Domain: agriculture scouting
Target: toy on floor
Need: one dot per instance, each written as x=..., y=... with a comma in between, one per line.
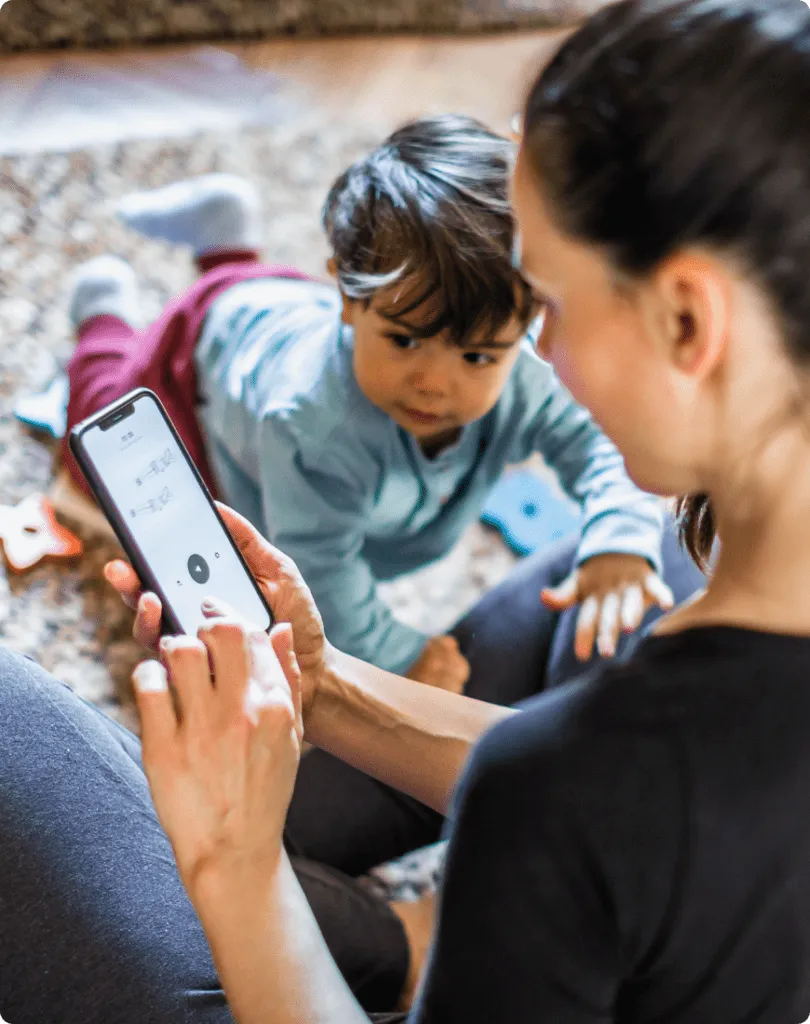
x=30, y=532
x=46, y=411
x=527, y=512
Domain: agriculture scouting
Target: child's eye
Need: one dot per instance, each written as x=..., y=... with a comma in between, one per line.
x=478, y=359
x=403, y=341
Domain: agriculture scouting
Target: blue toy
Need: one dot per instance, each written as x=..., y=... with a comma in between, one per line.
x=528, y=513
x=46, y=411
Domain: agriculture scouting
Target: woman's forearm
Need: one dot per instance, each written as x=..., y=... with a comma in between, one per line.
x=413, y=737
x=271, y=958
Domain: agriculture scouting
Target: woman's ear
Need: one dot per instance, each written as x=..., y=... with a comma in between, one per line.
x=695, y=294
x=331, y=267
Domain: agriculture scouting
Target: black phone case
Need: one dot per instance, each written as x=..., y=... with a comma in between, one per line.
x=169, y=624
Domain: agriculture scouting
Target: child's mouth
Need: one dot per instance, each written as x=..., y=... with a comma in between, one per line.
x=427, y=419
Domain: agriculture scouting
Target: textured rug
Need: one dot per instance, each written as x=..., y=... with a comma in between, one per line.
x=54, y=213
x=40, y=24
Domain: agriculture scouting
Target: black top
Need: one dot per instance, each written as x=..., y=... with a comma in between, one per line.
x=635, y=847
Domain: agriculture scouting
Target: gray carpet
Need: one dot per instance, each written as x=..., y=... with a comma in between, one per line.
x=41, y=24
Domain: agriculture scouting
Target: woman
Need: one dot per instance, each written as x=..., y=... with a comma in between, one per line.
x=633, y=846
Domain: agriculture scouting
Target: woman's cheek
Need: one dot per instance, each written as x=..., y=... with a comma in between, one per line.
x=565, y=366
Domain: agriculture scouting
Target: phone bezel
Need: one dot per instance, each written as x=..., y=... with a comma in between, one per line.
x=170, y=623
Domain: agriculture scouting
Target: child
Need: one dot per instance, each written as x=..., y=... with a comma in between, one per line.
x=361, y=428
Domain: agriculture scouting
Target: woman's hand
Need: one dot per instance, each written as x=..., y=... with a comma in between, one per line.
x=280, y=582
x=221, y=758
x=615, y=591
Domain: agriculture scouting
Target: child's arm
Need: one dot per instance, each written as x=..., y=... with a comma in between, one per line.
x=315, y=501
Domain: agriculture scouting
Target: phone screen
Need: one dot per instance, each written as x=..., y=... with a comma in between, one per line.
x=161, y=503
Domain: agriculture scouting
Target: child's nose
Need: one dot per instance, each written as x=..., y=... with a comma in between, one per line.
x=431, y=378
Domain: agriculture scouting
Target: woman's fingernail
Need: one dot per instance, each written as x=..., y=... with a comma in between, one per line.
x=210, y=604
x=150, y=677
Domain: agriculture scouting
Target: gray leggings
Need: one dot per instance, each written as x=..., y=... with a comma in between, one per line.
x=94, y=924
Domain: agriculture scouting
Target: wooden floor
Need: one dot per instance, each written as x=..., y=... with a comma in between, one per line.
x=376, y=79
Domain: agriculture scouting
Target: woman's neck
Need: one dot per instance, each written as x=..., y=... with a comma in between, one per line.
x=761, y=578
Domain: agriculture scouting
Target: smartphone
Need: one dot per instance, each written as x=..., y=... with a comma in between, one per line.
x=162, y=512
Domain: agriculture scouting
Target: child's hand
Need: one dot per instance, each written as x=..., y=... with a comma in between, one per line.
x=615, y=591
x=441, y=664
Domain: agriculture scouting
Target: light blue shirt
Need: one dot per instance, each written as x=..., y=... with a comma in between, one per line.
x=333, y=481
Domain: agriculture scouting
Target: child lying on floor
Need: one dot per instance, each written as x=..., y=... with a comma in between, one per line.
x=361, y=428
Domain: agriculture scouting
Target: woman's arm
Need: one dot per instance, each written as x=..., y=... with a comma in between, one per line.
x=269, y=953
x=221, y=759
x=414, y=738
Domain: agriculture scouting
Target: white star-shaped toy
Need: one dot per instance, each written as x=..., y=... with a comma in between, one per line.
x=30, y=532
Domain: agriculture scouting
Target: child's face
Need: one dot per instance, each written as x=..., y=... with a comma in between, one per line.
x=429, y=386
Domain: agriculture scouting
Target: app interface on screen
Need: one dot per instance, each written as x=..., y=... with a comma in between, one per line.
x=160, y=500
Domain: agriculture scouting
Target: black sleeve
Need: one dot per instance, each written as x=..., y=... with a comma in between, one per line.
x=528, y=927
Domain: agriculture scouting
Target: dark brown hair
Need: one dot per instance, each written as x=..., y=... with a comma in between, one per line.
x=663, y=124
x=430, y=209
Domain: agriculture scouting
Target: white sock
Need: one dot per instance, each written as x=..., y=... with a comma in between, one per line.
x=104, y=285
x=214, y=211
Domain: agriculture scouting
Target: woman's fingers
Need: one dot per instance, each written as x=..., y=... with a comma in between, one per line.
x=262, y=558
x=155, y=707
x=659, y=592
x=563, y=596
x=186, y=660
x=125, y=580
x=227, y=644
x=586, y=628
x=608, y=636
x=147, y=606
x=632, y=608
x=148, y=618
x=281, y=638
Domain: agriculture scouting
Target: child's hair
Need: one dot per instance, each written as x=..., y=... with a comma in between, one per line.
x=430, y=209
x=661, y=125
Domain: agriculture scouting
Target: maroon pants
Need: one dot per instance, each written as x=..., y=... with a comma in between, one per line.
x=112, y=358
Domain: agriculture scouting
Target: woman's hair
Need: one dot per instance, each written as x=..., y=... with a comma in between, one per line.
x=430, y=208
x=663, y=124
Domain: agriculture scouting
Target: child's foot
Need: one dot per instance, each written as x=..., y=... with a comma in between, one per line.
x=105, y=285
x=214, y=211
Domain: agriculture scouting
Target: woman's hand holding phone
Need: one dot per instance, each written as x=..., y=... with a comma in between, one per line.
x=280, y=582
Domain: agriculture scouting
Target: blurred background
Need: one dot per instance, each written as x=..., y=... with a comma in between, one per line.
x=102, y=97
